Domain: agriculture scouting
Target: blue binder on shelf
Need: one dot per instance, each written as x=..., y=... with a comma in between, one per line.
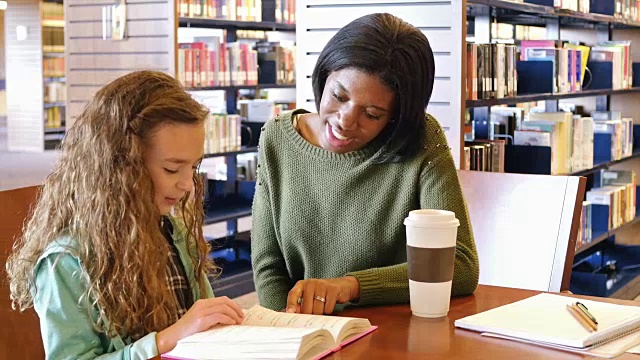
x=635, y=67
x=636, y=138
x=525, y=159
x=602, y=148
x=601, y=75
x=605, y=7
x=540, y=2
x=535, y=77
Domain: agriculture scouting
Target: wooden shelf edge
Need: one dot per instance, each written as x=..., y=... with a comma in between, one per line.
x=550, y=11
x=600, y=166
x=235, y=24
x=234, y=152
x=242, y=87
x=227, y=216
x=541, y=97
x=628, y=291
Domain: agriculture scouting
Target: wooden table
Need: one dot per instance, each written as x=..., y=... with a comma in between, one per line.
x=403, y=336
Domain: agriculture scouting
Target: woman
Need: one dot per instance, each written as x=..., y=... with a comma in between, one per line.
x=334, y=187
x=113, y=259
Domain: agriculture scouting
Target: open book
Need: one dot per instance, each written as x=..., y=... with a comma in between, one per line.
x=268, y=334
x=544, y=320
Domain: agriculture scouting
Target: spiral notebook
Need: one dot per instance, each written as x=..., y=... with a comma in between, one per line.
x=544, y=320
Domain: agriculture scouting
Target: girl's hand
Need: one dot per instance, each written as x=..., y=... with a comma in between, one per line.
x=320, y=296
x=204, y=314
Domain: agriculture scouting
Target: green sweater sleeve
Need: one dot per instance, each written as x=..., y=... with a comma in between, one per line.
x=270, y=274
x=67, y=330
x=439, y=189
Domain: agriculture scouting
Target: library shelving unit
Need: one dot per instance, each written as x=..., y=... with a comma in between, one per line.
x=35, y=75
x=446, y=24
x=565, y=25
x=237, y=194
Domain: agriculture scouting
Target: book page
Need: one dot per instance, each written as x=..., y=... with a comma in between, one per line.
x=259, y=316
x=240, y=333
x=635, y=350
x=252, y=342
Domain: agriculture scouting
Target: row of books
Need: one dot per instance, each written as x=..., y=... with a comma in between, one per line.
x=222, y=133
x=216, y=63
x=568, y=61
x=53, y=67
x=491, y=71
x=569, y=136
x=614, y=200
x=55, y=92
x=622, y=9
x=52, y=11
x=247, y=166
x=54, y=117
x=546, y=66
x=585, y=230
x=484, y=155
x=52, y=36
x=619, y=128
x=276, y=62
x=238, y=10
x=576, y=142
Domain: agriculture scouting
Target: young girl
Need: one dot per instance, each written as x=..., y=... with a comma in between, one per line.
x=113, y=258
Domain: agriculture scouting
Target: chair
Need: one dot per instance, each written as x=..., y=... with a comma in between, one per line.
x=20, y=332
x=525, y=227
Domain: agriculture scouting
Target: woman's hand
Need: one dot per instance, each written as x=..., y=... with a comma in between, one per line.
x=204, y=314
x=320, y=296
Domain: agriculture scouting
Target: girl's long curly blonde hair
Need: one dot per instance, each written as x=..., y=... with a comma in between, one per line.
x=101, y=194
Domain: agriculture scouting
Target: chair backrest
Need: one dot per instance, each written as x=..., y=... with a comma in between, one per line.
x=525, y=227
x=19, y=332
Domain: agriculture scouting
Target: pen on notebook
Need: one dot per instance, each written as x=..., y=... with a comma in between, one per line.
x=584, y=317
x=586, y=311
x=576, y=315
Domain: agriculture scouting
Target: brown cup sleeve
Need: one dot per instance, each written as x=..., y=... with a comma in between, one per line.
x=430, y=265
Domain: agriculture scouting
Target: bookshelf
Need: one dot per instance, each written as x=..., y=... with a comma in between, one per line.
x=571, y=26
x=35, y=55
x=231, y=200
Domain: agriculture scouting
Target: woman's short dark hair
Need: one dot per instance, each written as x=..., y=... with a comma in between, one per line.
x=400, y=55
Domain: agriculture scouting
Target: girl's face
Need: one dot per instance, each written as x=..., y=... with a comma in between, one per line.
x=173, y=152
x=354, y=109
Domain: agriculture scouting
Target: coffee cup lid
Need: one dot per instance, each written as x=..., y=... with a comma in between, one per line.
x=432, y=218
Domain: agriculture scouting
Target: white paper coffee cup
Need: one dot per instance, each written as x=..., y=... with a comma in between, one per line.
x=431, y=246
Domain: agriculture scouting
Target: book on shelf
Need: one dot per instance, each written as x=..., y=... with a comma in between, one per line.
x=54, y=116
x=216, y=63
x=222, y=133
x=614, y=201
x=544, y=320
x=585, y=233
x=491, y=71
x=237, y=10
x=626, y=179
x=270, y=334
x=284, y=11
x=485, y=155
x=276, y=63
x=54, y=92
x=53, y=66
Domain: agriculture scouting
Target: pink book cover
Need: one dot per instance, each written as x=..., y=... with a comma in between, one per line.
x=320, y=356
